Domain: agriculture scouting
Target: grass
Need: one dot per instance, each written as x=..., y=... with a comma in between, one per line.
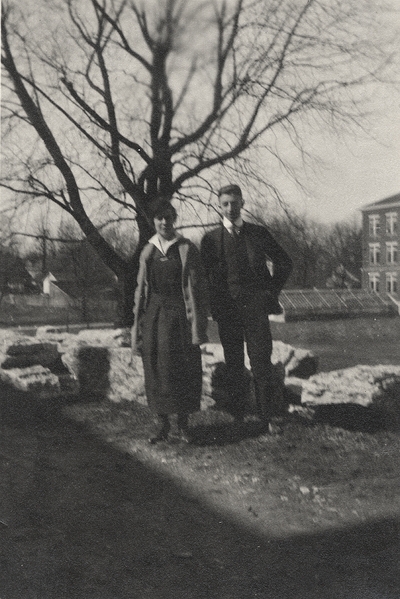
x=341, y=343
x=345, y=343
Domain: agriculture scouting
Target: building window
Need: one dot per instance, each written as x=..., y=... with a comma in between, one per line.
x=391, y=252
x=373, y=278
x=391, y=223
x=374, y=225
x=391, y=282
x=374, y=253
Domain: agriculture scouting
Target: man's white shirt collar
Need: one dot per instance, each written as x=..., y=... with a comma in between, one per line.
x=228, y=225
x=163, y=245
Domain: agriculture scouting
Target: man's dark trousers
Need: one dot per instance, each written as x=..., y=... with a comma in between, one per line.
x=246, y=319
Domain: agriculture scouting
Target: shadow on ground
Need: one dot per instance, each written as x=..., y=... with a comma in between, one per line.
x=225, y=433
x=82, y=520
x=352, y=417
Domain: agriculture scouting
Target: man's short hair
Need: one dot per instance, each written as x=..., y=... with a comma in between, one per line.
x=231, y=189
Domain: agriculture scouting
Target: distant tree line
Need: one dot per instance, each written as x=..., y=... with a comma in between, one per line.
x=70, y=258
x=107, y=105
x=323, y=255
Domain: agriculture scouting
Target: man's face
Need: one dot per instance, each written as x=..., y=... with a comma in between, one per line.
x=231, y=206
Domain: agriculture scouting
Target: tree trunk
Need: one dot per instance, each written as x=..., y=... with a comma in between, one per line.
x=126, y=294
x=126, y=289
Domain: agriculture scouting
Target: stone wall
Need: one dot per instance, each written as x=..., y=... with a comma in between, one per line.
x=376, y=389
x=98, y=364
x=35, y=367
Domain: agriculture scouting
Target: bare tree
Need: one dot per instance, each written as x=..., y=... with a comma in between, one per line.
x=344, y=244
x=320, y=251
x=14, y=278
x=108, y=103
x=79, y=269
x=303, y=238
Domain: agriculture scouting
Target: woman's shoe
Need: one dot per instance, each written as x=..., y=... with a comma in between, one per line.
x=162, y=434
x=183, y=428
x=184, y=436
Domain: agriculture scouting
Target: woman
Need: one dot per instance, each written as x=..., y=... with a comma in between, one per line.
x=170, y=323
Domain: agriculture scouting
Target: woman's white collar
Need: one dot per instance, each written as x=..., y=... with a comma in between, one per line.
x=163, y=245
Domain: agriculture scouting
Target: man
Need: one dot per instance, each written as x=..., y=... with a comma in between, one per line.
x=243, y=292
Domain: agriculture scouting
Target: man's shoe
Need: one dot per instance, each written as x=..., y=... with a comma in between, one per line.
x=162, y=434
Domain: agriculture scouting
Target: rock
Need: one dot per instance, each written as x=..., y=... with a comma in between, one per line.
x=106, y=337
x=40, y=382
x=113, y=373
x=126, y=376
x=94, y=338
x=363, y=385
x=54, y=335
x=375, y=387
x=27, y=346
x=216, y=387
x=117, y=376
x=300, y=363
x=107, y=372
x=47, y=330
x=44, y=357
x=34, y=366
x=303, y=364
x=37, y=380
x=211, y=355
x=282, y=352
x=20, y=351
x=290, y=357
x=295, y=386
x=100, y=365
x=287, y=360
x=9, y=337
x=69, y=386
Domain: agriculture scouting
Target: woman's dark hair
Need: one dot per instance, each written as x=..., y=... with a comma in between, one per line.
x=161, y=207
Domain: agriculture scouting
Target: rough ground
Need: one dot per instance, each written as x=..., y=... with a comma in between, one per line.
x=91, y=511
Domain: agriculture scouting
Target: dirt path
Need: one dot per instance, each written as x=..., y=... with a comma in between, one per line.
x=86, y=521
x=83, y=520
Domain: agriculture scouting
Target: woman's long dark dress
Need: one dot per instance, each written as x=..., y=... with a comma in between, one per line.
x=172, y=365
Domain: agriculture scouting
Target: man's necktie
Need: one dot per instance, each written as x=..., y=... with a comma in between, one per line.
x=236, y=231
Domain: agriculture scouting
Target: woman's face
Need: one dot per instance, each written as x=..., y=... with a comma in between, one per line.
x=164, y=225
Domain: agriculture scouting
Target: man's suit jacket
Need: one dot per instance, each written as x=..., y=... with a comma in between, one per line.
x=261, y=247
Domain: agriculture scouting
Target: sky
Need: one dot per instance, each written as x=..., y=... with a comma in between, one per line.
x=359, y=169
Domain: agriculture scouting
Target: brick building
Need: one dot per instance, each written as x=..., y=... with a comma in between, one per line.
x=381, y=245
